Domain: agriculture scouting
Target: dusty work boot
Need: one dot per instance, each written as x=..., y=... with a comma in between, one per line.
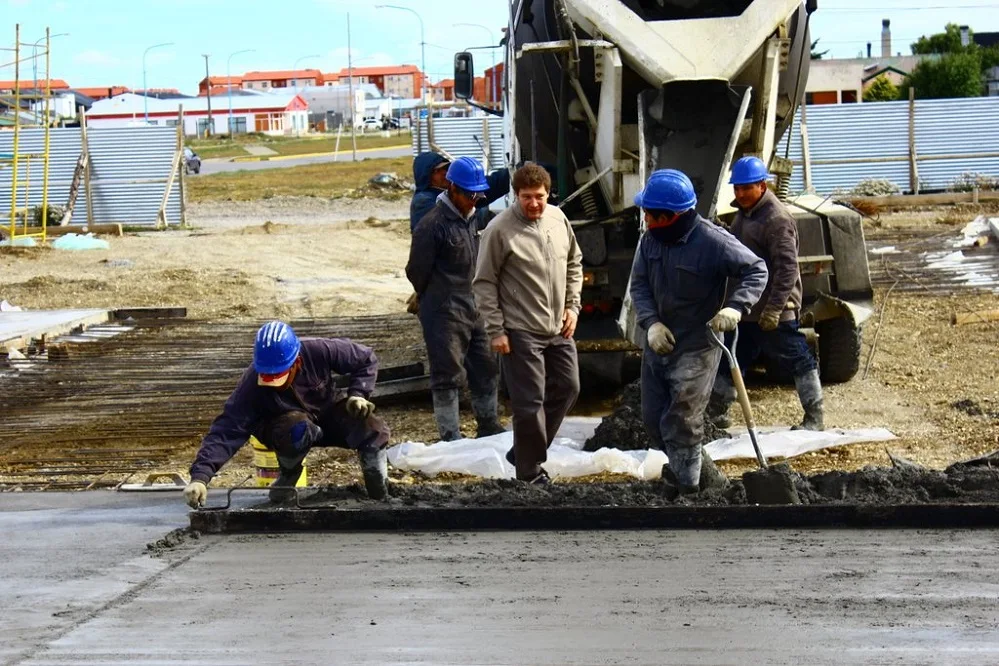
x=447, y=414
x=810, y=393
x=716, y=414
x=682, y=474
x=283, y=488
x=485, y=409
x=374, y=467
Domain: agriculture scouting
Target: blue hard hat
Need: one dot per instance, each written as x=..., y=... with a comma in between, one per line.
x=667, y=189
x=275, y=348
x=467, y=174
x=748, y=170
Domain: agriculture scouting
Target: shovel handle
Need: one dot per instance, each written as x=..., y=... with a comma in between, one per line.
x=743, y=396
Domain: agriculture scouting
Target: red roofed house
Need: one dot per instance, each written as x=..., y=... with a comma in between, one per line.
x=102, y=92
x=299, y=78
x=443, y=91
x=29, y=84
x=393, y=80
x=494, y=85
x=218, y=82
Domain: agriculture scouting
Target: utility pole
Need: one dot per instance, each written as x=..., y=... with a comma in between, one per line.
x=208, y=88
x=350, y=86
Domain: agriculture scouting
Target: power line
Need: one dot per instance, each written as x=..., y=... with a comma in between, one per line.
x=855, y=10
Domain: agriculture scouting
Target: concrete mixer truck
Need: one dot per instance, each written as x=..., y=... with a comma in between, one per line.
x=603, y=92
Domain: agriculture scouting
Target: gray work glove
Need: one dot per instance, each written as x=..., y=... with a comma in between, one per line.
x=726, y=320
x=770, y=320
x=195, y=494
x=360, y=408
x=661, y=339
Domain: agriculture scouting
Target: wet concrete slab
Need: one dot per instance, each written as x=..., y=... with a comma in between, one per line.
x=597, y=597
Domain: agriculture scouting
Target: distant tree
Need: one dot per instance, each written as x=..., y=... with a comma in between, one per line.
x=948, y=41
x=817, y=55
x=952, y=75
x=881, y=90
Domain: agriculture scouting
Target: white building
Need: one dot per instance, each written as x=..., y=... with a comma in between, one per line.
x=277, y=113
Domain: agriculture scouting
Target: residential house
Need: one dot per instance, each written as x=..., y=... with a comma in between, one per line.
x=7, y=87
x=213, y=82
x=284, y=113
x=280, y=80
x=493, y=93
x=443, y=91
x=393, y=81
x=987, y=40
x=102, y=92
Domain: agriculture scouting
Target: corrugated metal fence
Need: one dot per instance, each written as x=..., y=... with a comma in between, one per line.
x=130, y=167
x=948, y=132
x=464, y=137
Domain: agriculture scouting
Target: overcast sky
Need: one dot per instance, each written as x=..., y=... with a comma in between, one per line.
x=107, y=37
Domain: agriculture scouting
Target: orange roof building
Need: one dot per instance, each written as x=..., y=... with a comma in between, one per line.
x=392, y=80
x=29, y=84
x=282, y=79
x=102, y=92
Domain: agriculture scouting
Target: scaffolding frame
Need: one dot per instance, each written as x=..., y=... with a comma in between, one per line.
x=14, y=159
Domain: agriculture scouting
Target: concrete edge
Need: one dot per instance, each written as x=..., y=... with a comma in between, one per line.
x=53, y=330
x=864, y=516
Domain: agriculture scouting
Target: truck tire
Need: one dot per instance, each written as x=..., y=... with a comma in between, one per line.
x=839, y=350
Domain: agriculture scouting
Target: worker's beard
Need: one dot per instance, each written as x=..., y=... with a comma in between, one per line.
x=671, y=233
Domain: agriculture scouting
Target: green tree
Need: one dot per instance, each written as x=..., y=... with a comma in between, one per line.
x=817, y=55
x=881, y=90
x=948, y=41
x=952, y=75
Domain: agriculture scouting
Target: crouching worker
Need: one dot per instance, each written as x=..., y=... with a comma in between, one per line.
x=678, y=289
x=288, y=401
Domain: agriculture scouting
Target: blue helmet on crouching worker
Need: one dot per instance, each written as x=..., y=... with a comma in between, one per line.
x=275, y=351
x=748, y=170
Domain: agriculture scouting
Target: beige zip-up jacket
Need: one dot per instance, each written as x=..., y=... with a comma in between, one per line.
x=528, y=272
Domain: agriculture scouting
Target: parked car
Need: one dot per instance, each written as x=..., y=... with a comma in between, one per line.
x=371, y=124
x=192, y=163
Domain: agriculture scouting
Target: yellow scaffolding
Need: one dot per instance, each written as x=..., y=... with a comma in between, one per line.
x=16, y=158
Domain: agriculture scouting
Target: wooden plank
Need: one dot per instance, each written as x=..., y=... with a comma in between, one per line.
x=150, y=313
x=109, y=229
x=904, y=200
x=913, y=162
x=183, y=168
x=88, y=168
x=979, y=317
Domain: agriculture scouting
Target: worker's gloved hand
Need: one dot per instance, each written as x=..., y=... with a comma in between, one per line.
x=769, y=320
x=726, y=320
x=359, y=408
x=195, y=494
x=661, y=339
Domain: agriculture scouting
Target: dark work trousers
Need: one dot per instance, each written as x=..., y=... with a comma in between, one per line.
x=338, y=429
x=542, y=378
x=785, y=345
x=675, y=391
x=458, y=349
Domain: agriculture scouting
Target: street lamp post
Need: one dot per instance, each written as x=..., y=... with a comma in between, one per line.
x=492, y=40
x=34, y=65
x=294, y=68
x=208, y=95
x=228, y=82
x=145, y=89
x=423, y=51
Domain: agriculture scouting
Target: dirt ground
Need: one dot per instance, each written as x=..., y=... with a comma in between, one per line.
x=932, y=384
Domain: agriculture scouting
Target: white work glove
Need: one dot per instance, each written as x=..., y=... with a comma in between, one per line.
x=661, y=339
x=726, y=320
x=359, y=408
x=195, y=494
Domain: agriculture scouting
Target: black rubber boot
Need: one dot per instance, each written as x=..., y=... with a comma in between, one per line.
x=283, y=488
x=485, y=409
x=447, y=414
x=810, y=394
x=374, y=467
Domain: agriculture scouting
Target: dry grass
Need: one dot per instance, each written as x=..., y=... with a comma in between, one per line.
x=327, y=180
x=223, y=147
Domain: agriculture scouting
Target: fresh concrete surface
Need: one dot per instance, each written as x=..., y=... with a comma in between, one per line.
x=78, y=589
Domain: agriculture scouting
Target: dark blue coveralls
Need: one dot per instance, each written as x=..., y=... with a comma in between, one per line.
x=683, y=285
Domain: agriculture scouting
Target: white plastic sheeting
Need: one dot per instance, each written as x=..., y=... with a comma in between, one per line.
x=485, y=457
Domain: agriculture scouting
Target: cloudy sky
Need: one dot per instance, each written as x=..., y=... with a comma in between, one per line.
x=107, y=37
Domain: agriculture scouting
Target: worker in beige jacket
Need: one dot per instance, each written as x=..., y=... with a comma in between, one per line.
x=527, y=286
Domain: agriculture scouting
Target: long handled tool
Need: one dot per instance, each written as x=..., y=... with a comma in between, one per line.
x=768, y=485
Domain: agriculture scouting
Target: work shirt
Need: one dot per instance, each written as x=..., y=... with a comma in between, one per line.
x=442, y=262
x=528, y=273
x=313, y=391
x=682, y=284
x=770, y=231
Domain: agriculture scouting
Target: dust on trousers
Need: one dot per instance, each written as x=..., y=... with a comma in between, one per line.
x=786, y=346
x=293, y=433
x=675, y=392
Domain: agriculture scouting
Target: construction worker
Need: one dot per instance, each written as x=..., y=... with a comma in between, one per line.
x=441, y=266
x=288, y=401
x=527, y=286
x=678, y=289
x=429, y=175
x=765, y=226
